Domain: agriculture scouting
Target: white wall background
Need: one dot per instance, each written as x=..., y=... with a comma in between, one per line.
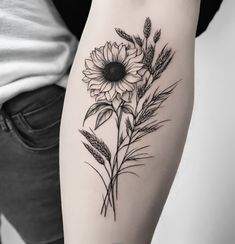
x=201, y=205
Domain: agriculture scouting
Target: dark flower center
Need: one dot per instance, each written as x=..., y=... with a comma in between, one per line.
x=114, y=71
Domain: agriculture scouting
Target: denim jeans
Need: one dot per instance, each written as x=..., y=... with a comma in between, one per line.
x=29, y=164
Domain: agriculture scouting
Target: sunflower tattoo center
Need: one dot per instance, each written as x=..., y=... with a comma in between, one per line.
x=123, y=79
x=114, y=71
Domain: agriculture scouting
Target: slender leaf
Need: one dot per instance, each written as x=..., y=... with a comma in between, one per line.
x=103, y=116
x=124, y=35
x=138, y=40
x=147, y=27
x=94, y=108
x=97, y=143
x=127, y=109
x=94, y=153
x=157, y=36
x=128, y=126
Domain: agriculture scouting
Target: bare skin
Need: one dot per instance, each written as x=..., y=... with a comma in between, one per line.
x=100, y=205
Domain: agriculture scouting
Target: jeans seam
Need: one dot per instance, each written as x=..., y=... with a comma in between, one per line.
x=40, y=108
x=20, y=118
x=25, y=145
x=58, y=237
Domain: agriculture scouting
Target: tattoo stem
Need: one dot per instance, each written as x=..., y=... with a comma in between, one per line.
x=132, y=131
x=101, y=178
x=146, y=44
x=119, y=114
x=107, y=171
x=105, y=206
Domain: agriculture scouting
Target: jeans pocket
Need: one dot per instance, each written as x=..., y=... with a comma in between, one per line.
x=38, y=129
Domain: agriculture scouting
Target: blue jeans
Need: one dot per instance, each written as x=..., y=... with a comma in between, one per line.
x=29, y=164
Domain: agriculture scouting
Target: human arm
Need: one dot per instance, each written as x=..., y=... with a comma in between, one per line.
x=91, y=163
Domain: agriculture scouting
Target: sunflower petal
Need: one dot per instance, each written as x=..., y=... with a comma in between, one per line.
x=94, y=75
x=106, y=87
x=86, y=72
x=131, y=51
x=122, y=54
x=90, y=65
x=115, y=52
x=86, y=79
x=112, y=92
x=96, y=92
x=100, y=96
x=95, y=83
x=99, y=54
x=133, y=67
x=139, y=58
x=127, y=96
x=95, y=86
x=142, y=72
x=106, y=52
x=110, y=55
x=119, y=89
x=108, y=97
x=122, y=85
x=130, y=57
x=101, y=49
x=128, y=86
x=92, y=93
x=99, y=63
x=132, y=78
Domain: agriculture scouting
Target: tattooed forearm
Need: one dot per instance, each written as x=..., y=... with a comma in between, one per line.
x=119, y=76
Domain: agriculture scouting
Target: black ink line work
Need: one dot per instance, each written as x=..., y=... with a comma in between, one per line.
x=119, y=77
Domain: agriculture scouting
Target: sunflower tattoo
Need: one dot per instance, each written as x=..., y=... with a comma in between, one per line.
x=112, y=71
x=119, y=77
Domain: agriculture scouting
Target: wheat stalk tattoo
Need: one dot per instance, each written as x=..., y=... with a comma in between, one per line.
x=119, y=77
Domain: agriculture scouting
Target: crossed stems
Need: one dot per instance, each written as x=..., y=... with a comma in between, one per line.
x=112, y=188
x=117, y=169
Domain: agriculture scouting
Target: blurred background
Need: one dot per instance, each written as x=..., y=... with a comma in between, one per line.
x=200, y=207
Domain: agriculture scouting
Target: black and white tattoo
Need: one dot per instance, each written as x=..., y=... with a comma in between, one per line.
x=119, y=77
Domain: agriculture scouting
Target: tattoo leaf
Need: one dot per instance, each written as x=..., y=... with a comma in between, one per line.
x=124, y=35
x=127, y=109
x=122, y=139
x=162, y=62
x=157, y=36
x=128, y=127
x=94, y=108
x=163, y=67
x=138, y=40
x=146, y=115
x=149, y=55
x=97, y=143
x=103, y=116
x=148, y=129
x=137, y=158
x=146, y=102
x=94, y=153
x=164, y=94
x=147, y=27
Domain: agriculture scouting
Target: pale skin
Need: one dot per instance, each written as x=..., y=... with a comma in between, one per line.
x=140, y=199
